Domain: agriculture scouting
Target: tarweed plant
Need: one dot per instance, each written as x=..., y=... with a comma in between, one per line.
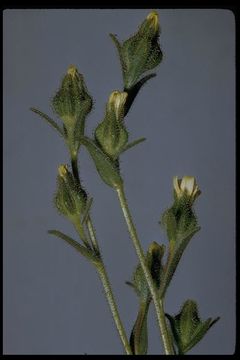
x=72, y=103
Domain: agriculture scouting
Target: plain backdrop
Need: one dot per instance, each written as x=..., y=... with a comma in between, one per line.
x=53, y=299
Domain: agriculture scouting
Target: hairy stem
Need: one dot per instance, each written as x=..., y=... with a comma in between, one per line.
x=108, y=290
x=101, y=268
x=114, y=310
x=166, y=339
x=80, y=230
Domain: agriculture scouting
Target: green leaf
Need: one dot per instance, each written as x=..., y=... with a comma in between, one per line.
x=174, y=258
x=49, y=121
x=132, y=144
x=187, y=327
x=139, y=334
x=134, y=90
x=140, y=284
x=105, y=167
x=168, y=222
x=119, y=48
x=87, y=253
x=199, y=333
x=175, y=331
x=87, y=209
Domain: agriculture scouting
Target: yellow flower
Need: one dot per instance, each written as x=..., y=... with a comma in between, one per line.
x=186, y=186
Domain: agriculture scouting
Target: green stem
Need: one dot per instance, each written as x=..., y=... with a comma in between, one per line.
x=100, y=267
x=166, y=339
x=112, y=304
x=80, y=230
x=105, y=281
x=108, y=290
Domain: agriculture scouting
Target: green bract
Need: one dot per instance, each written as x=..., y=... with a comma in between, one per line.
x=106, y=168
x=70, y=199
x=72, y=101
x=154, y=261
x=139, y=336
x=72, y=104
x=180, y=224
x=141, y=52
x=179, y=219
x=187, y=328
x=111, y=134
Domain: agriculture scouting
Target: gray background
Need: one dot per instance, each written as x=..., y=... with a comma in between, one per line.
x=53, y=302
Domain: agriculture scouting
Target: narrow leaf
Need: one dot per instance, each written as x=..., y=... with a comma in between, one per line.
x=133, y=91
x=105, y=167
x=174, y=259
x=175, y=332
x=87, y=253
x=86, y=213
x=133, y=143
x=49, y=120
x=119, y=48
x=139, y=334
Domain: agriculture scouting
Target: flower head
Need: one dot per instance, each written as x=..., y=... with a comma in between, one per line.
x=186, y=186
x=72, y=103
x=111, y=134
x=70, y=199
x=116, y=103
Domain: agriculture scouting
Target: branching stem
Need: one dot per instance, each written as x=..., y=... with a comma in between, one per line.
x=102, y=270
x=166, y=339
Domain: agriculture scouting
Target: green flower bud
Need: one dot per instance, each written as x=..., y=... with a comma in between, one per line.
x=187, y=328
x=72, y=102
x=154, y=261
x=150, y=27
x=70, y=199
x=141, y=52
x=180, y=218
x=111, y=134
x=139, y=334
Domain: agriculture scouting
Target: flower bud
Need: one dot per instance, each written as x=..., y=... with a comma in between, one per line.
x=70, y=199
x=72, y=102
x=150, y=26
x=187, y=186
x=180, y=218
x=154, y=262
x=111, y=133
x=116, y=104
x=141, y=52
x=187, y=328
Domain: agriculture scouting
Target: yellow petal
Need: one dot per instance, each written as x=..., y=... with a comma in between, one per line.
x=62, y=170
x=153, y=20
